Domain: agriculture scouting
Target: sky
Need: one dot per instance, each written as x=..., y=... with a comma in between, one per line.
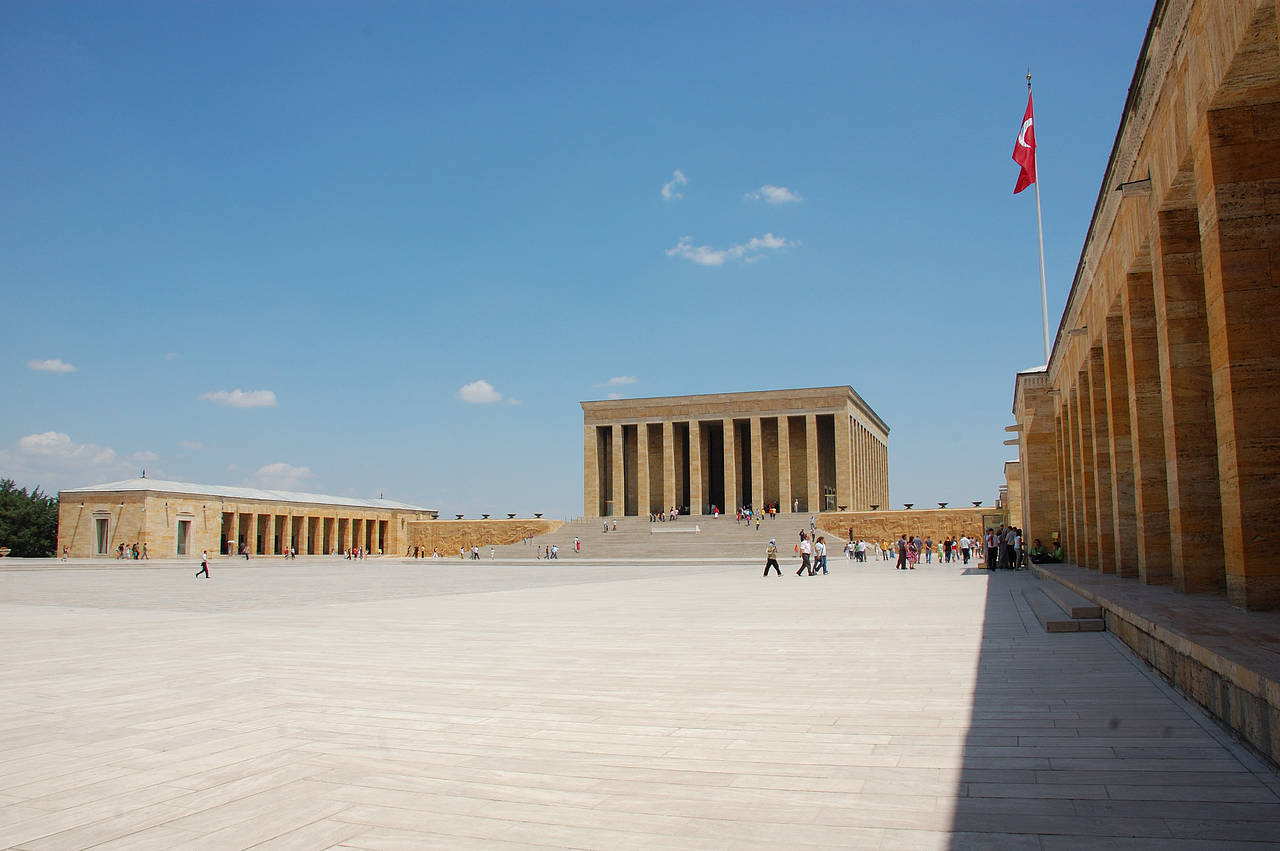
x=387, y=248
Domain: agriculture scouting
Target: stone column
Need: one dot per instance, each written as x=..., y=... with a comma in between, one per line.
x=269, y=538
x=844, y=459
x=757, y=464
x=619, y=472
x=882, y=449
x=1186, y=380
x=251, y=536
x=590, y=473
x=811, y=462
x=1059, y=426
x=730, y=467
x=1067, y=444
x=1146, y=416
x=697, y=502
x=668, y=465
x=784, y=463
x=376, y=544
x=856, y=500
x=1124, y=518
x=1235, y=156
x=1086, y=549
x=1103, y=516
x=643, y=501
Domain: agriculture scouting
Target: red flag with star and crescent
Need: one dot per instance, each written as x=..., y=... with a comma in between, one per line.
x=1024, y=151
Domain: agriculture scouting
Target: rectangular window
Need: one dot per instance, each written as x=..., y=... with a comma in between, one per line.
x=184, y=536
x=100, y=538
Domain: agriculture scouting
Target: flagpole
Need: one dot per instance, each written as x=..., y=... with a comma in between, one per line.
x=1044, y=298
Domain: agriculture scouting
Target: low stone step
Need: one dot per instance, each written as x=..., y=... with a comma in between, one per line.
x=1071, y=602
x=1054, y=618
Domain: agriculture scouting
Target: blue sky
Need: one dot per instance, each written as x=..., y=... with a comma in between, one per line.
x=275, y=241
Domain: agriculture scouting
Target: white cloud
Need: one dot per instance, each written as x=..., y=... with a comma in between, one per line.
x=281, y=476
x=170, y=355
x=241, y=398
x=669, y=188
x=479, y=393
x=144, y=456
x=774, y=195
x=749, y=251
x=618, y=380
x=52, y=460
x=53, y=365
x=615, y=395
x=191, y=444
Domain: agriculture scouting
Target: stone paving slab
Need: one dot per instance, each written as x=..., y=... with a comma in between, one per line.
x=320, y=703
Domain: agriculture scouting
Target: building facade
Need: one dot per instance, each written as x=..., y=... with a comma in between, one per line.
x=1149, y=442
x=184, y=519
x=816, y=449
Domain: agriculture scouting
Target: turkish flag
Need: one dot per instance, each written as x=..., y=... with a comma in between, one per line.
x=1024, y=151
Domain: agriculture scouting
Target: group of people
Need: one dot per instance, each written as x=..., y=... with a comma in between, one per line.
x=662, y=516
x=998, y=548
x=125, y=551
x=812, y=551
x=1006, y=549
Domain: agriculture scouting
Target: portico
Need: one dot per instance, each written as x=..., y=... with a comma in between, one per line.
x=815, y=449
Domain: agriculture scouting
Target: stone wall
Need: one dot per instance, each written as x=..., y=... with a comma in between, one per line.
x=888, y=525
x=449, y=535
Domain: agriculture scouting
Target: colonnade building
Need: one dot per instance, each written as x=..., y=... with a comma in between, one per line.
x=1150, y=442
x=816, y=449
x=182, y=518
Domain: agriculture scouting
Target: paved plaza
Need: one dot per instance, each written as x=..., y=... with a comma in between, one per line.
x=445, y=704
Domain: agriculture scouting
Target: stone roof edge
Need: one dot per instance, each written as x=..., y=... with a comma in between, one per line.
x=262, y=495
x=1139, y=106
x=847, y=389
x=1026, y=377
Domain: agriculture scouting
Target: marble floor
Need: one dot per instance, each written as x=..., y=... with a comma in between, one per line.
x=319, y=703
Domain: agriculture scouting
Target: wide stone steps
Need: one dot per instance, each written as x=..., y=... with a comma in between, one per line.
x=688, y=537
x=1059, y=609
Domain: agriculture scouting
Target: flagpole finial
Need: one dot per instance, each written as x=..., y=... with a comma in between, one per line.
x=1028, y=78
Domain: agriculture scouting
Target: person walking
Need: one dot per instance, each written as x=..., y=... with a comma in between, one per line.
x=204, y=566
x=771, y=558
x=820, y=557
x=902, y=554
x=805, y=549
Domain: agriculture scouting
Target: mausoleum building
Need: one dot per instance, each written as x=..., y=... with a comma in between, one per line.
x=814, y=449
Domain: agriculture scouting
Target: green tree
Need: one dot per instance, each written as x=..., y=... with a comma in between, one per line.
x=28, y=521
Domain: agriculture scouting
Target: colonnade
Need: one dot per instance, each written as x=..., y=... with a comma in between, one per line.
x=308, y=534
x=1161, y=397
x=805, y=461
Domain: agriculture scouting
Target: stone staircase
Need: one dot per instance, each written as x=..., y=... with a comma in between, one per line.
x=693, y=538
x=1059, y=609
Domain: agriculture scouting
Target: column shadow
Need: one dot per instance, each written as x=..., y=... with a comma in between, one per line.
x=1071, y=744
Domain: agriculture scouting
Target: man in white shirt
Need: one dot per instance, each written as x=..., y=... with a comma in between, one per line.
x=965, y=545
x=805, y=549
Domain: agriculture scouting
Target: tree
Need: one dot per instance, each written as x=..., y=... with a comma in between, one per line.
x=28, y=521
